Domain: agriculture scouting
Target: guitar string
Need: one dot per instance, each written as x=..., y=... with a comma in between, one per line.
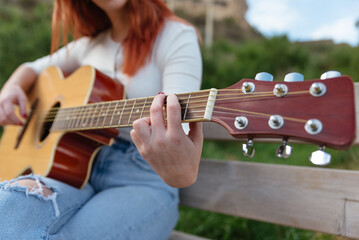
x=257, y=94
x=69, y=111
x=201, y=116
x=257, y=114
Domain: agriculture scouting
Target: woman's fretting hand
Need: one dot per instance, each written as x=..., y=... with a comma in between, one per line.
x=174, y=155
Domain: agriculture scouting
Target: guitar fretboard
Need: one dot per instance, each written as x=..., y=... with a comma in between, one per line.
x=195, y=106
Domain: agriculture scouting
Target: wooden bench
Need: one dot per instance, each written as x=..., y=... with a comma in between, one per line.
x=318, y=199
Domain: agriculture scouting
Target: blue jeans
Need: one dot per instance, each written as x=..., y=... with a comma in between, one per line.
x=124, y=199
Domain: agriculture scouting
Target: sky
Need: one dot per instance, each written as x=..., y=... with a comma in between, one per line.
x=306, y=20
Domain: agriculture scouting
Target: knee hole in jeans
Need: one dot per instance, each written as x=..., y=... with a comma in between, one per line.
x=34, y=186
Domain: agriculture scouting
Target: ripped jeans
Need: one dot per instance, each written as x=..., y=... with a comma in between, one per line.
x=124, y=199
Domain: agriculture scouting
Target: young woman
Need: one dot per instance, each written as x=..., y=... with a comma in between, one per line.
x=144, y=46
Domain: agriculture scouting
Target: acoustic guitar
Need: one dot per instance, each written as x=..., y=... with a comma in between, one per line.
x=72, y=117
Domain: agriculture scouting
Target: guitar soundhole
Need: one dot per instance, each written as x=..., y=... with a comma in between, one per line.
x=49, y=120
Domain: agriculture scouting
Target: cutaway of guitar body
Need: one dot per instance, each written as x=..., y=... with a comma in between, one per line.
x=66, y=156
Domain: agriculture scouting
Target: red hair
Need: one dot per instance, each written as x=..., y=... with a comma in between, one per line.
x=83, y=18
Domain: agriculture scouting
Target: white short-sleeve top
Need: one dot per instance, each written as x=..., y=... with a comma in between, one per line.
x=175, y=65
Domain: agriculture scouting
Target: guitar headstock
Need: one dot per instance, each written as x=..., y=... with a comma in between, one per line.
x=319, y=111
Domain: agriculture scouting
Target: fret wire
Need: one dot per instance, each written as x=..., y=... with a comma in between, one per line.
x=129, y=119
x=119, y=121
x=78, y=118
x=83, y=117
x=72, y=122
x=87, y=116
x=143, y=107
x=98, y=118
x=66, y=120
x=69, y=120
x=185, y=113
x=104, y=118
x=113, y=114
x=57, y=120
x=93, y=116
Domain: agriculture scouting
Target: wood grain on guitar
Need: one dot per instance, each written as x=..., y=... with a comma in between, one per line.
x=77, y=115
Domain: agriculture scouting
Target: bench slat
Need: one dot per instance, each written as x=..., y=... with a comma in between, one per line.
x=318, y=199
x=184, y=236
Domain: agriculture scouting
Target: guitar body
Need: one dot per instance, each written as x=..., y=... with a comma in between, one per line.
x=64, y=156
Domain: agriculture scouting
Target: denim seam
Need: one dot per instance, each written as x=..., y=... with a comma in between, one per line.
x=58, y=219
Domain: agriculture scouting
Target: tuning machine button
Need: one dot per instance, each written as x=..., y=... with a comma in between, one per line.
x=248, y=148
x=294, y=77
x=320, y=157
x=284, y=150
x=264, y=76
x=330, y=74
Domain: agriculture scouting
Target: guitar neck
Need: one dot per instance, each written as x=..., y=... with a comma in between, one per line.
x=195, y=106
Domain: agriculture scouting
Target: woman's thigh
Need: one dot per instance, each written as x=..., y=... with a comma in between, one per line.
x=130, y=212
x=28, y=213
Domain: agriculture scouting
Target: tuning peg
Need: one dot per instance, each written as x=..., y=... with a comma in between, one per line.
x=264, y=76
x=248, y=148
x=284, y=150
x=320, y=157
x=294, y=77
x=330, y=74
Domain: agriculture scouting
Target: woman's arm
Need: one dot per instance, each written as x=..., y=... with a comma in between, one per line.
x=14, y=93
x=174, y=155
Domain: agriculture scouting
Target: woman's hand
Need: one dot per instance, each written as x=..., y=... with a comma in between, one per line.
x=10, y=96
x=171, y=153
x=13, y=93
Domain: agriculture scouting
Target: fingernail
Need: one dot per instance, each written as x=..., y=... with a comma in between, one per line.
x=25, y=115
x=160, y=93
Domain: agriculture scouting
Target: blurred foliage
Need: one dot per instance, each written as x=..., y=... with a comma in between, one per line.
x=25, y=35
x=226, y=63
